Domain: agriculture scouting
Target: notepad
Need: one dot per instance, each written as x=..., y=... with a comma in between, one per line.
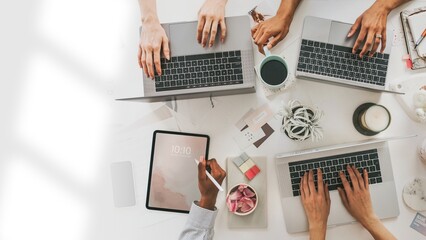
x=417, y=61
x=417, y=24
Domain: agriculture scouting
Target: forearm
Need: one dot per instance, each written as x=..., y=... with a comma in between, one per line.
x=148, y=10
x=378, y=230
x=287, y=9
x=389, y=5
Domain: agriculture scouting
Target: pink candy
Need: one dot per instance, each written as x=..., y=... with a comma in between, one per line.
x=241, y=200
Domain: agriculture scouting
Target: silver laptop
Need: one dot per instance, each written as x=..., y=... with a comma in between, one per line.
x=373, y=155
x=326, y=55
x=194, y=71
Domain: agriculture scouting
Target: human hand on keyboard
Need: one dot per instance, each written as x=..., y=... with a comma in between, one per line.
x=210, y=17
x=316, y=202
x=153, y=39
x=372, y=25
x=357, y=201
x=356, y=198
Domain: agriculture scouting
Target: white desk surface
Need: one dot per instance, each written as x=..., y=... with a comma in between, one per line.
x=61, y=127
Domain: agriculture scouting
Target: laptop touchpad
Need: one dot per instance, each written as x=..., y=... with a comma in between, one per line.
x=338, y=34
x=183, y=40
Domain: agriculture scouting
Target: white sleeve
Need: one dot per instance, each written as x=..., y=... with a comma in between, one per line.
x=200, y=224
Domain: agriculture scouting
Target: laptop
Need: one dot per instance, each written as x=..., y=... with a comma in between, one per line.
x=371, y=154
x=326, y=55
x=193, y=71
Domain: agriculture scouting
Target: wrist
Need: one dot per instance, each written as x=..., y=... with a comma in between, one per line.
x=221, y=3
x=285, y=16
x=207, y=202
x=317, y=231
x=150, y=19
x=384, y=6
x=317, y=226
x=286, y=10
x=370, y=222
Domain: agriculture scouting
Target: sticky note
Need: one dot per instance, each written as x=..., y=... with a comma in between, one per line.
x=238, y=161
x=246, y=166
x=409, y=63
x=250, y=174
x=255, y=169
x=244, y=156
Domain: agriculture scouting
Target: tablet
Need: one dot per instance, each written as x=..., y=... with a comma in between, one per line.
x=173, y=173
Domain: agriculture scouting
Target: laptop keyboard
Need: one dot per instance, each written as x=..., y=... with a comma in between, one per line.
x=331, y=166
x=339, y=62
x=202, y=70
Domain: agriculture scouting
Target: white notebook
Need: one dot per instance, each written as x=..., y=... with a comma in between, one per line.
x=417, y=23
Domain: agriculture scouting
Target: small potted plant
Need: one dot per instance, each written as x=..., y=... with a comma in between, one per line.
x=301, y=122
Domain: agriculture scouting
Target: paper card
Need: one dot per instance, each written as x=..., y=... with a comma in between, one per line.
x=259, y=117
x=419, y=223
x=241, y=125
x=247, y=137
x=268, y=132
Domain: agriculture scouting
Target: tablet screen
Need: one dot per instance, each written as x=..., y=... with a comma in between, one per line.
x=173, y=181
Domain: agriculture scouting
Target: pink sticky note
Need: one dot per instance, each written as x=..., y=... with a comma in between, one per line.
x=250, y=174
x=409, y=63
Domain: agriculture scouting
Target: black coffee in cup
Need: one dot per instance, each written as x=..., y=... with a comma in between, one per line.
x=273, y=72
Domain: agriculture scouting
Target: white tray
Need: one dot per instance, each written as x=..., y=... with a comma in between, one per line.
x=259, y=218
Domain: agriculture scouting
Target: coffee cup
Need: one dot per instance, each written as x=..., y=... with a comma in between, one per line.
x=370, y=119
x=273, y=71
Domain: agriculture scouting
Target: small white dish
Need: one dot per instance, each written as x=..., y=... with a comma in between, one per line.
x=414, y=194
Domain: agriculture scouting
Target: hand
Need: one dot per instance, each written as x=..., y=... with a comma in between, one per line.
x=316, y=203
x=207, y=189
x=153, y=39
x=356, y=199
x=372, y=23
x=210, y=17
x=275, y=28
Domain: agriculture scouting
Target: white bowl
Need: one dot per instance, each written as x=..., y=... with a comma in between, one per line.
x=234, y=188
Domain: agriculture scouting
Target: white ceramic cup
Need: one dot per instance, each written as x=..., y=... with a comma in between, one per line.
x=271, y=57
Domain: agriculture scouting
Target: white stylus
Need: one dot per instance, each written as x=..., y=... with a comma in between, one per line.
x=211, y=178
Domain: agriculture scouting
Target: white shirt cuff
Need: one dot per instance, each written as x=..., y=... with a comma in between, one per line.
x=202, y=218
